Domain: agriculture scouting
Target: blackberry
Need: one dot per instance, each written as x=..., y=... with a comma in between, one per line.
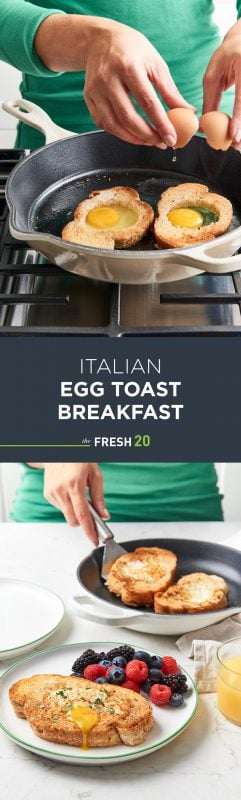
x=124, y=650
x=176, y=682
x=88, y=657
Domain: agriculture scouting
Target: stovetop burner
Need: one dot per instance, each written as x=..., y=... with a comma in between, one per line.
x=37, y=297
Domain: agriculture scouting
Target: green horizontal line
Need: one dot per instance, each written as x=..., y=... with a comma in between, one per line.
x=45, y=445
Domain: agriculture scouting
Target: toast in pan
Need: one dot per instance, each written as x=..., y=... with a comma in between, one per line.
x=190, y=196
x=110, y=218
x=108, y=715
x=193, y=593
x=137, y=576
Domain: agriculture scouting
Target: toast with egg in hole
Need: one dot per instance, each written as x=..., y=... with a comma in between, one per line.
x=192, y=594
x=189, y=213
x=137, y=576
x=110, y=218
x=81, y=713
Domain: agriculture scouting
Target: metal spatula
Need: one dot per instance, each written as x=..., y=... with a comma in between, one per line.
x=112, y=550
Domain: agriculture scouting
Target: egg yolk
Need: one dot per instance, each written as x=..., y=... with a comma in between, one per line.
x=119, y=217
x=86, y=718
x=185, y=218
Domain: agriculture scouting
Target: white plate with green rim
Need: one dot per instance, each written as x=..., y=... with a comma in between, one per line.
x=168, y=722
x=29, y=615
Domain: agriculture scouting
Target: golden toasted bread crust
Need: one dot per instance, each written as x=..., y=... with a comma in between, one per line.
x=136, y=576
x=192, y=594
x=46, y=700
x=185, y=195
x=80, y=232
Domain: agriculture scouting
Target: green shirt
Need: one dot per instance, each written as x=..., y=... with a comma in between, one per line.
x=182, y=32
x=144, y=492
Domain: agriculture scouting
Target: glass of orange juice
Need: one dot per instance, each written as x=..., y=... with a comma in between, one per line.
x=229, y=680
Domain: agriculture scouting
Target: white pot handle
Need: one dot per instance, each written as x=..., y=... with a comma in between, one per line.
x=95, y=615
x=35, y=116
x=208, y=256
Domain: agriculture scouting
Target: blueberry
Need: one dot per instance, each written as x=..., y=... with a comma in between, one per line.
x=119, y=661
x=101, y=680
x=146, y=686
x=77, y=674
x=156, y=662
x=156, y=675
x=105, y=663
x=141, y=655
x=176, y=700
x=116, y=675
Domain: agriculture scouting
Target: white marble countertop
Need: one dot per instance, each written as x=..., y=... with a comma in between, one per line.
x=205, y=759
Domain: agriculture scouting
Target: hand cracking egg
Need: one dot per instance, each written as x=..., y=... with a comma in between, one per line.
x=215, y=125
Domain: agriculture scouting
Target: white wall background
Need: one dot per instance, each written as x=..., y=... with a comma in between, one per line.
x=229, y=476
x=225, y=15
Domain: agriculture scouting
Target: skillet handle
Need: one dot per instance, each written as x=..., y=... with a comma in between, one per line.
x=35, y=116
x=215, y=256
x=94, y=614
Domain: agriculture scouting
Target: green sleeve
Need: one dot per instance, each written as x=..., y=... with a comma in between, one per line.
x=19, y=22
x=238, y=4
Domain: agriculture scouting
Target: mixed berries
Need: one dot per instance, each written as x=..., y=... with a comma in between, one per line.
x=124, y=666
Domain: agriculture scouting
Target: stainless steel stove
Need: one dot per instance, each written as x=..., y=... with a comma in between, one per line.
x=39, y=298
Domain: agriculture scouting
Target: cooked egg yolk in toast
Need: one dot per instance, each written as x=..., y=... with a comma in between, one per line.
x=118, y=217
x=86, y=718
x=185, y=218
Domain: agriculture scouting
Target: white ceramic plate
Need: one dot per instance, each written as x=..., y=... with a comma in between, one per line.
x=169, y=722
x=29, y=615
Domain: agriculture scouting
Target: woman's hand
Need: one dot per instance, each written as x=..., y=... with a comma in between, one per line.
x=65, y=487
x=121, y=65
x=223, y=71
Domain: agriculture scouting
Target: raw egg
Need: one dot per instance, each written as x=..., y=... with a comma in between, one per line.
x=118, y=217
x=185, y=218
x=215, y=124
x=86, y=719
x=185, y=122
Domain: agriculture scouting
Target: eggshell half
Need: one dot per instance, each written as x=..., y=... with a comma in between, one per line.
x=215, y=124
x=185, y=122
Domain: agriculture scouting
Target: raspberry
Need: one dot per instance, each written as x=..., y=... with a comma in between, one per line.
x=169, y=665
x=137, y=671
x=130, y=685
x=94, y=671
x=159, y=694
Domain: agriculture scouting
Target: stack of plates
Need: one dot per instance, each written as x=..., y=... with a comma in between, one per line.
x=29, y=615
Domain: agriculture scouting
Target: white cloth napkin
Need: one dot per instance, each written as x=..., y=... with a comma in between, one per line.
x=201, y=645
